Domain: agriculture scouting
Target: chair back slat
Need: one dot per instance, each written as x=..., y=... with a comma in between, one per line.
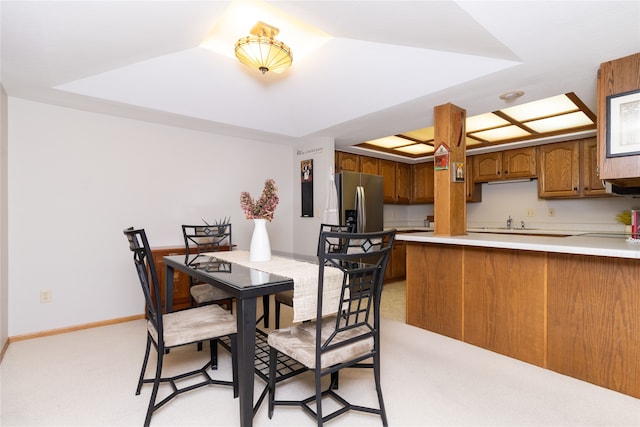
x=333, y=244
x=147, y=275
x=206, y=238
x=362, y=259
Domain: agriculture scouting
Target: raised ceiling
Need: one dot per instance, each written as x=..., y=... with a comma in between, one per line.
x=382, y=69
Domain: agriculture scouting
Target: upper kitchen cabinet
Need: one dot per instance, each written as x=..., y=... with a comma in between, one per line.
x=473, y=189
x=369, y=165
x=397, y=181
x=423, y=183
x=347, y=162
x=505, y=165
x=568, y=170
x=614, y=79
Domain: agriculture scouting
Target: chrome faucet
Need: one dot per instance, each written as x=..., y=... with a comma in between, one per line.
x=509, y=221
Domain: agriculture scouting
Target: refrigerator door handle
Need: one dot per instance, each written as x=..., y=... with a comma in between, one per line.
x=361, y=210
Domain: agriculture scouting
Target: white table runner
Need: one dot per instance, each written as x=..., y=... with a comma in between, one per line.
x=305, y=281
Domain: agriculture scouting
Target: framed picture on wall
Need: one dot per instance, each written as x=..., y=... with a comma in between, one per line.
x=306, y=187
x=623, y=124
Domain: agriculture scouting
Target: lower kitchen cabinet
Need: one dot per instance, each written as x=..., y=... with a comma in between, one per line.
x=396, y=266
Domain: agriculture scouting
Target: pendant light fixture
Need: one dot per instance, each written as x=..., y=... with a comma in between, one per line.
x=260, y=50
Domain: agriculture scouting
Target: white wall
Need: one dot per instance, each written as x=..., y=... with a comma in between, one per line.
x=514, y=199
x=77, y=179
x=4, y=282
x=321, y=151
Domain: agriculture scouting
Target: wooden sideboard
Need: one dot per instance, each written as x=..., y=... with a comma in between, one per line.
x=181, y=295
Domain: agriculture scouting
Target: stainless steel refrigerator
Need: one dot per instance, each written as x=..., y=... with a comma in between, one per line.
x=360, y=200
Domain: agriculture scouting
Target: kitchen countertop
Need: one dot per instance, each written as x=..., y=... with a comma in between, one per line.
x=581, y=243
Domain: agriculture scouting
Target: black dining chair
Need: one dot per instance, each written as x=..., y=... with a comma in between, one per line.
x=204, y=239
x=286, y=297
x=166, y=331
x=346, y=339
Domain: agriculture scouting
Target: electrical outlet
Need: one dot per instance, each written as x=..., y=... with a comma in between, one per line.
x=552, y=212
x=45, y=295
x=530, y=212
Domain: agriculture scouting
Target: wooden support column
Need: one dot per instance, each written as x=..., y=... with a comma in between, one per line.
x=450, y=209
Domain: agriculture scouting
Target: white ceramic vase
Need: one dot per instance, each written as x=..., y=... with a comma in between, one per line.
x=260, y=249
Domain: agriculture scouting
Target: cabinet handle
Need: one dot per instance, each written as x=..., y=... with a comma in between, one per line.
x=575, y=188
x=498, y=172
x=506, y=172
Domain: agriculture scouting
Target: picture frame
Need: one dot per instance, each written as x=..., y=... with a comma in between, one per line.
x=457, y=172
x=623, y=116
x=306, y=188
x=441, y=158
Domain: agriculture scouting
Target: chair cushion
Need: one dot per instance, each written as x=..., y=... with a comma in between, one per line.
x=299, y=342
x=205, y=292
x=195, y=324
x=285, y=297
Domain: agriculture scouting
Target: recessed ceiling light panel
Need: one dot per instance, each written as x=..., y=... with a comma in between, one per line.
x=544, y=108
x=416, y=149
x=558, y=123
x=500, y=134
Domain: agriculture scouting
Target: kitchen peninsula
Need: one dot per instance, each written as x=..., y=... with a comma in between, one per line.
x=570, y=304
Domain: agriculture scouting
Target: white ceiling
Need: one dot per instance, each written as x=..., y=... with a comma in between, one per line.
x=386, y=66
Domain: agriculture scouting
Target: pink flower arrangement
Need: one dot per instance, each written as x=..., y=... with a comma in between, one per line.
x=265, y=206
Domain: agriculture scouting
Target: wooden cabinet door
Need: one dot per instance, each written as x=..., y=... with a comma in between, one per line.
x=181, y=294
x=559, y=172
x=369, y=165
x=473, y=189
x=396, y=267
x=591, y=184
x=403, y=183
x=487, y=167
x=388, y=172
x=347, y=162
x=399, y=266
x=519, y=163
x=422, y=183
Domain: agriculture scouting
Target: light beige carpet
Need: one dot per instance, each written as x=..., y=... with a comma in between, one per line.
x=88, y=378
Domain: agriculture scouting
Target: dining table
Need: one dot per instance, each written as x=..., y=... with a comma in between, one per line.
x=246, y=284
